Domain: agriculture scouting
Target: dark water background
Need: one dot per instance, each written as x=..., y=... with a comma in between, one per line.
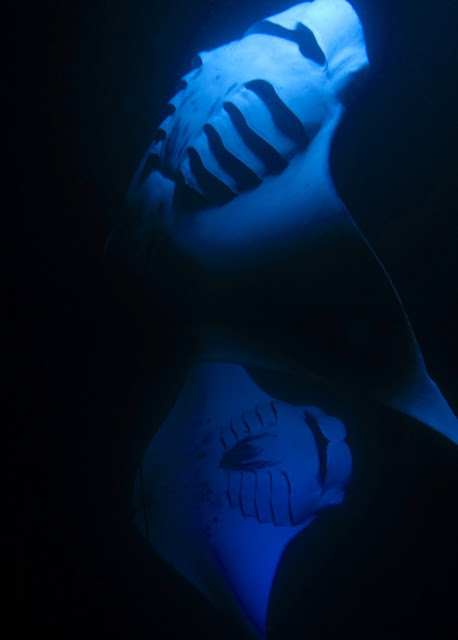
x=87, y=83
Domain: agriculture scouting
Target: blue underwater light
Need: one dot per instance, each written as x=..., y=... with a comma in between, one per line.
x=238, y=183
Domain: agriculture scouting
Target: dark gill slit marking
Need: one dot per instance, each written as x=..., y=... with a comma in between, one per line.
x=196, y=62
x=181, y=85
x=223, y=442
x=272, y=160
x=255, y=497
x=290, y=511
x=228, y=493
x=240, y=496
x=234, y=432
x=215, y=190
x=245, y=178
x=285, y=120
x=271, y=505
x=301, y=35
x=321, y=444
x=259, y=416
x=159, y=135
x=245, y=422
x=272, y=404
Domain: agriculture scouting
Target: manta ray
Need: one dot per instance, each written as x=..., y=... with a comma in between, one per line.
x=237, y=182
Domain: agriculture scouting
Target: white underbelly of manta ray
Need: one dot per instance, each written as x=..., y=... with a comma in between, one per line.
x=238, y=181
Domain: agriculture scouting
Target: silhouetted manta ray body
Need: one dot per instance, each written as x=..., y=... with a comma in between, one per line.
x=230, y=478
x=238, y=181
x=240, y=184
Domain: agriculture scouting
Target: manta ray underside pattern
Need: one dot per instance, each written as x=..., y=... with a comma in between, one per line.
x=230, y=478
x=238, y=183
